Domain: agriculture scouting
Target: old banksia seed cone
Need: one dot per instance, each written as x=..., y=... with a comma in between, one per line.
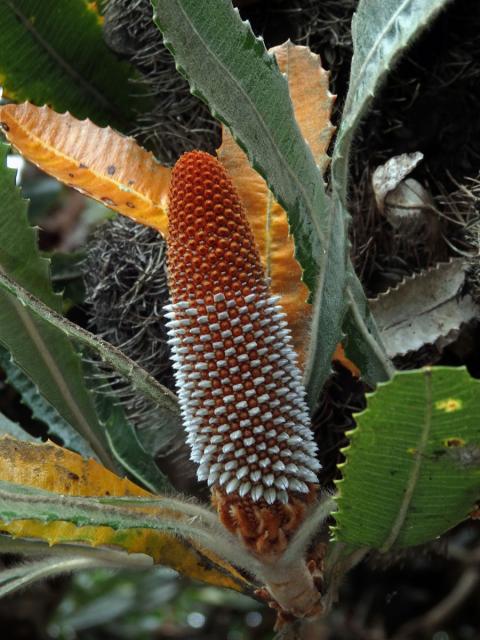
x=239, y=387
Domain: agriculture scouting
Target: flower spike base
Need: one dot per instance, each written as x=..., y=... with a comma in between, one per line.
x=239, y=386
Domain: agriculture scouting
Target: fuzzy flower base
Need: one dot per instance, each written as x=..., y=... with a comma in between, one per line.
x=240, y=390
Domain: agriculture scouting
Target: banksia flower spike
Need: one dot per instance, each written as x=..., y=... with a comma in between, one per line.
x=239, y=387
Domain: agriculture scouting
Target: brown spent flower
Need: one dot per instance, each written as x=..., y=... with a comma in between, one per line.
x=239, y=387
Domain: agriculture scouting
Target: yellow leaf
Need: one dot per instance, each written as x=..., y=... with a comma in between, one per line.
x=58, y=470
x=99, y=162
x=312, y=102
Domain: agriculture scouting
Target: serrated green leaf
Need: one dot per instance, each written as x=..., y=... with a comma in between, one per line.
x=127, y=448
x=381, y=31
x=168, y=411
x=412, y=469
x=41, y=350
x=229, y=68
x=53, y=53
x=41, y=409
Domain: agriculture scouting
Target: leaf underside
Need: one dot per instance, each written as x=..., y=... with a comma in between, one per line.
x=99, y=162
x=426, y=308
x=412, y=468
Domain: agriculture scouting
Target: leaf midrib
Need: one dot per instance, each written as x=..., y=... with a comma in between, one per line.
x=415, y=469
x=372, y=51
x=143, y=381
x=424, y=312
x=281, y=162
x=34, y=139
x=66, y=67
x=63, y=388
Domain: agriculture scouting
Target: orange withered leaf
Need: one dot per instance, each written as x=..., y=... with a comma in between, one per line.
x=239, y=386
x=99, y=162
x=312, y=102
x=58, y=470
x=308, y=84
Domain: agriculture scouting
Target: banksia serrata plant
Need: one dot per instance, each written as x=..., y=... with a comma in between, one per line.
x=238, y=383
x=240, y=391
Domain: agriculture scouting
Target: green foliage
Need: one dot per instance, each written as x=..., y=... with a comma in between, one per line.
x=168, y=411
x=135, y=606
x=229, y=68
x=412, y=470
x=381, y=31
x=126, y=447
x=121, y=604
x=67, y=276
x=42, y=351
x=53, y=53
x=41, y=409
x=363, y=343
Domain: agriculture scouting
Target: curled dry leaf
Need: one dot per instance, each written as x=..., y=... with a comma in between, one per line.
x=58, y=470
x=99, y=162
x=401, y=199
x=312, y=102
x=427, y=308
x=388, y=176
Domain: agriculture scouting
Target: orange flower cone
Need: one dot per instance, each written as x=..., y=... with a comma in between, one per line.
x=240, y=390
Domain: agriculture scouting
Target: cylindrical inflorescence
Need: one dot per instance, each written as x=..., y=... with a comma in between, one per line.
x=239, y=387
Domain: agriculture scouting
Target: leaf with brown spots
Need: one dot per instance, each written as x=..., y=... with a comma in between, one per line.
x=312, y=102
x=25, y=466
x=99, y=162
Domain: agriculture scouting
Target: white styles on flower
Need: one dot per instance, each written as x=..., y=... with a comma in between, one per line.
x=239, y=386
